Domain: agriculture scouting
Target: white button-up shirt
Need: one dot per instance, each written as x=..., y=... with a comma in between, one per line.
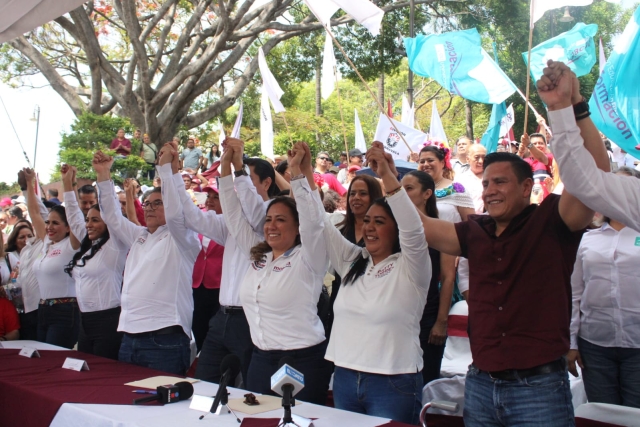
x=377, y=317
x=99, y=281
x=156, y=291
x=606, y=295
x=612, y=195
x=473, y=185
x=234, y=261
x=280, y=296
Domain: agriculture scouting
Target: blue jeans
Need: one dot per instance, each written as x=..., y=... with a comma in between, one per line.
x=309, y=361
x=59, y=324
x=169, y=353
x=541, y=400
x=398, y=397
x=611, y=374
x=228, y=334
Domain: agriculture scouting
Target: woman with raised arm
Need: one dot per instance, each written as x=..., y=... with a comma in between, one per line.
x=433, y=325
x=280, y=291
x=58, y=314
x=22, y=241
x=97, y=269
x=375, y=342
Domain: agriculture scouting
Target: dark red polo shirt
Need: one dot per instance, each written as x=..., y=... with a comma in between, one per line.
x=519, y=287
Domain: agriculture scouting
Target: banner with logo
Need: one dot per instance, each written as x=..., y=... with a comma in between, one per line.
x=615, y=102
x=393, y=143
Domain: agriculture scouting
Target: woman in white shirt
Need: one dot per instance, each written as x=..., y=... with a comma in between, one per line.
x=375, y=342
x=281, y=289
x=605, y=332
x=58, y=315
x=97, y=269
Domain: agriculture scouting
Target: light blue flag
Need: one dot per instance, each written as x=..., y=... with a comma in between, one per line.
x=615, y=102
x=575, y=48
x=498, y=112
x=491, y=136
x=457, y=61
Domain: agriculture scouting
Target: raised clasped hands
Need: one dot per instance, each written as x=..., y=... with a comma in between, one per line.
x=296, y=156
x=558, y=87
x=68, y=175
x=377, y=155
x=29, y=175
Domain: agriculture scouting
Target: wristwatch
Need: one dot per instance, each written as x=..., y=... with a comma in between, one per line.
x=241, y=172
x=530, y=145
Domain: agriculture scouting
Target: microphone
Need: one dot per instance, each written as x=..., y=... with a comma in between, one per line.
x=170, y=393
x=230, y=367
x=287, y=382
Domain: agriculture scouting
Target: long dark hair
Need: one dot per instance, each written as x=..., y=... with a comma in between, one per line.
x=81, y=257
x=11, y=245
x=360, y=264
x=375, y=192
x=440, y=155
x=426, y=183
x=259, y=251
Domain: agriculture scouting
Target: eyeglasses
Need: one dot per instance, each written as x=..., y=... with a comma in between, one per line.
x=152, y=205
x=323, y=158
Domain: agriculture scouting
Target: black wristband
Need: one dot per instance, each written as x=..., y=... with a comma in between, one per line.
x=241, y=172
x=581, y=109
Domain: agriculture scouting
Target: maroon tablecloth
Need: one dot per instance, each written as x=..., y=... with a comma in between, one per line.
x=583, y=422
x=33, y=389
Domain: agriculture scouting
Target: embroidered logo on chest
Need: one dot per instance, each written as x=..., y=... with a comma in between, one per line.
x=384, y=271
x=277, y=269
x=141, y=240
x=54, y=253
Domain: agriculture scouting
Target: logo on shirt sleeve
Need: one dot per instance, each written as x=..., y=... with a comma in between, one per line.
x=384, y=271
x=259, y=265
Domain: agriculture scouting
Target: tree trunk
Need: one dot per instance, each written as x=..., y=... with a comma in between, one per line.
x=318, y=85
x=381, y=89
x=469, y=115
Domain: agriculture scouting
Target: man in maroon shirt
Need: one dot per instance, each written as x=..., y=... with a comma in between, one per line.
x=121, y=144
x=519, y=313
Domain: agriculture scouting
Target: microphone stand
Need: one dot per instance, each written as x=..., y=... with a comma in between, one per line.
x=287, y=402
x=222, y=397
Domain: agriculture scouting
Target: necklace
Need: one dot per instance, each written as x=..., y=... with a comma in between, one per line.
x=439, y=181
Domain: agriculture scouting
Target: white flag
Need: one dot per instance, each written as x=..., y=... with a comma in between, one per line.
x=270, y=83
x=408, y=113
x=507, y=121
x=602, y=59
x=539, y=7
x=266, y=125
x=221, y=135
x=363, y=11
x=392, y=142
x=238, y=125
x=436, y=130
x=328, y=81
x=361, y=143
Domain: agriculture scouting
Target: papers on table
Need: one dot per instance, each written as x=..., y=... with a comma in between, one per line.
x=155, y=382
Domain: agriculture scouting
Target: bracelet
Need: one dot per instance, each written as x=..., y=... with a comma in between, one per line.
x=297, y=177
x=581, y=109
x=391, y=193
x=583, y=116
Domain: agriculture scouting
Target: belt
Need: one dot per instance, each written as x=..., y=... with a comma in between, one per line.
x=175, y=329
x=53, y=301
x=230, y=309
x=518, y=374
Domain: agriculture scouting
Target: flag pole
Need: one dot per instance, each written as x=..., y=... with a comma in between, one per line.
x=526, y=105
x=287, y=126
x=369, y=89
x=344, y=129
